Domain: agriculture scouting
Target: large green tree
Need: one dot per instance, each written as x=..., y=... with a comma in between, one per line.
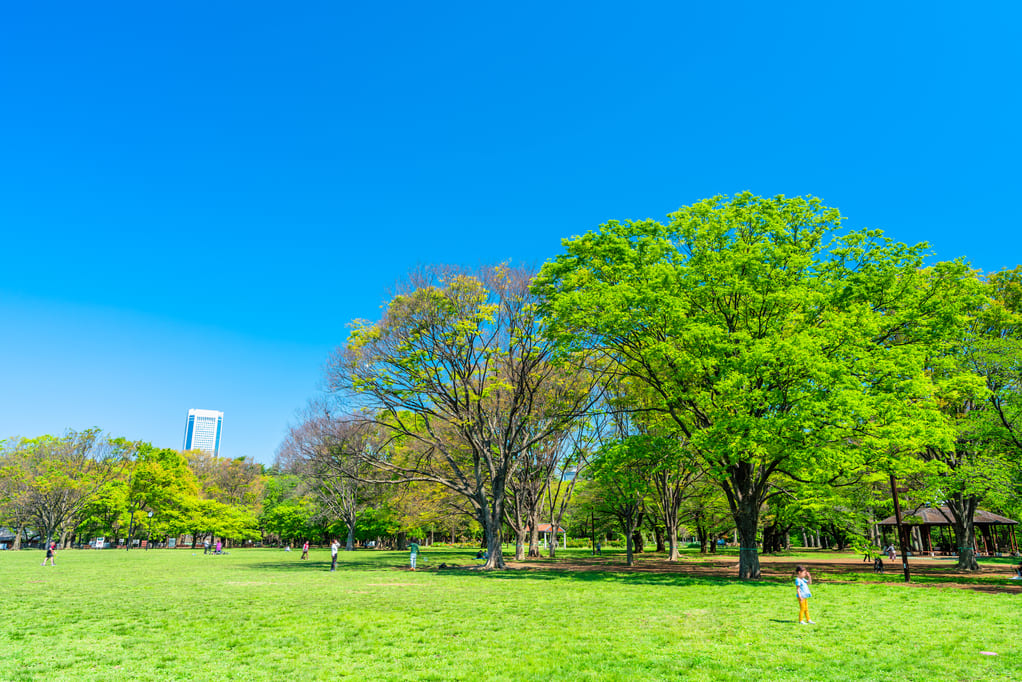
x=978, y=378
x=454, y=373
x=776, y=343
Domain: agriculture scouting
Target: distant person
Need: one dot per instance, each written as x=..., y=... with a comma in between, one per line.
x=51, y=553
x=288, y=548
x=802, y=582
x=1017, y=569
x=205, y=546
x=891, y=553
x=413, y=547
x=599, y=548
x=878, y=565
x=334, y=547
x=305, y=550
x=219, y=547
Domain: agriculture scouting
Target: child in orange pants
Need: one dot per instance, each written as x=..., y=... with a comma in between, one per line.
x=802, y=582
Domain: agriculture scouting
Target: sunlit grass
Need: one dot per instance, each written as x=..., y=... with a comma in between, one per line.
x=264, y=614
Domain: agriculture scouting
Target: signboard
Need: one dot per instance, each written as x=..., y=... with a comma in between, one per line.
x=171, y=543
x=144, y=543
x=99, y=542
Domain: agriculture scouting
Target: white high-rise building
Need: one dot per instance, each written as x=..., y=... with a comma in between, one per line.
x=202, y=430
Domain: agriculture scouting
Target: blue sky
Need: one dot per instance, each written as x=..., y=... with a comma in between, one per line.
x=197, y=198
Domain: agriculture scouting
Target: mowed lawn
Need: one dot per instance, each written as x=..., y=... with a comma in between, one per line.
x=263, y=614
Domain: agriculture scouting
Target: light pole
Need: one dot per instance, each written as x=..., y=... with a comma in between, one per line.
x=149, y=532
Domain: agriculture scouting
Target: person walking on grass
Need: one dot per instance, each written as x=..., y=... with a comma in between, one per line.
x=51, y=553
x=305, y=550
x=413, y=546
x=334, y=547
x=802, y=582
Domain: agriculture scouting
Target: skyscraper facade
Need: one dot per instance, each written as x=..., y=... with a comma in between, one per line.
x=202, y=430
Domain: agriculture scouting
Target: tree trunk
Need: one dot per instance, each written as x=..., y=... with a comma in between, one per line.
x=747, y=521
x=703, y=536
x=963, y=510
x=494, y=548
x=491, y=518
x=534, y=534
x=349, y=545
x=520, y=544
x=638, y=541
x=17, y=537
x=661, y=544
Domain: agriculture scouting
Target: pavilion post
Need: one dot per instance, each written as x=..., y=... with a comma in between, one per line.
x=902, y=540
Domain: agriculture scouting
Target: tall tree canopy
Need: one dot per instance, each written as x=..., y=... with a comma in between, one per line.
x=459, y=375
x=774, y=343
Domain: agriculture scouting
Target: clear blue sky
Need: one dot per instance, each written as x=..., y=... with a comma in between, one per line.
x=196, y=198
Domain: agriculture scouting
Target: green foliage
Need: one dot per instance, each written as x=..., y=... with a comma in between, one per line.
x=775, y=343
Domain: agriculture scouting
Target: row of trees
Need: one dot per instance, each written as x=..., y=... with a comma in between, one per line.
x=749, y=352
x=84, y=484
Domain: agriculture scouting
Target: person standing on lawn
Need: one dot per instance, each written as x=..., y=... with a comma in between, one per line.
x=413, y=546
x=334, y=547
x=305, y=550
x=51, y=553
x=802, y=582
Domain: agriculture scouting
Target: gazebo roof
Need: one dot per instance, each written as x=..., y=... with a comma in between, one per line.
x=932, y=516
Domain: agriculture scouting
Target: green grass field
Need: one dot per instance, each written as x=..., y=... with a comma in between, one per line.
x=262, y=614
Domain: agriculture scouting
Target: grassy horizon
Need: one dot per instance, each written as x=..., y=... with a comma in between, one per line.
x=262, y=614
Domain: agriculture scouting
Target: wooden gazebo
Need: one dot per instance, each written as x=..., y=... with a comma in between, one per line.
x=927, y=518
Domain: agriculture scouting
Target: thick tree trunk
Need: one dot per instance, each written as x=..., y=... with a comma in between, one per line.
x=534, y=534
x=349, y=545
x=747, y=521
x=744, y=495
x=491, y=518
x=17, y=537
x=638, y=542
x=659, y=538
x=963, y=510
x=494, y=548
x=519, y=544
x=703, y=536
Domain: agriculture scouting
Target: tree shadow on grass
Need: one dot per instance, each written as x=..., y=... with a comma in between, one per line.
x=609, y=576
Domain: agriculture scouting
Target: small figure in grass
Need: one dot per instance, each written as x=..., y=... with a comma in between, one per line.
x=891, y=553
x=305, y=550
x=51, y=553
x=334, y=547
x=219, y=547
x=599, y=549
x=802, y=582
x=205, y=546
x=413, y=547
x=878, y=565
